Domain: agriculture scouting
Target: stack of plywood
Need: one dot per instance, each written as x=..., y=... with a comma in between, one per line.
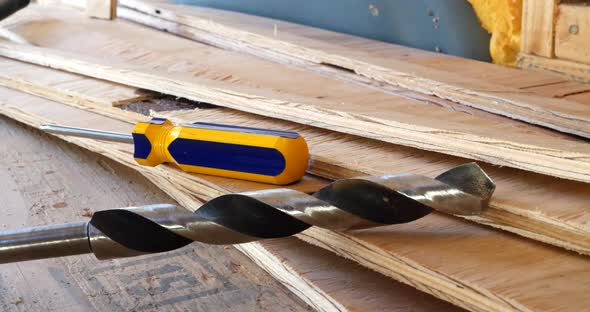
x=365, y=108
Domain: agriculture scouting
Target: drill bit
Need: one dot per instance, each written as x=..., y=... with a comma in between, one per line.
x=346, y=204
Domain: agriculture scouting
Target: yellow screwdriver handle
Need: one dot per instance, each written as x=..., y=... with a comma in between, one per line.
x=261, y=155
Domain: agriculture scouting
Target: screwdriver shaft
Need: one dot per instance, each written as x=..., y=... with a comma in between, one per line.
x=88, y=133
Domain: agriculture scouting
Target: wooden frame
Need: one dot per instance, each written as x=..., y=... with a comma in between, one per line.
x=556, y=38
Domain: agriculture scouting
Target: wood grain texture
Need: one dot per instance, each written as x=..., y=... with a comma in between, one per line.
x=47, y=181
x=543, y=218
x=524, y=203
x=294, y=97
x=193, y=23
x=63, y=86
x=365, y=50
x=572, y=33
x=318, y=276
x=471, y=266
x=350, y=286
x=103, y=9
x=538, y=21
x=571, y=70
x=583, y=97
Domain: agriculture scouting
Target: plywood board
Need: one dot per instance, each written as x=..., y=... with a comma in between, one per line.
x=470, y=92
x=321, y=279
x=47, y=181
x=469, y=265
x=524, y=203
x=41, y=81
x=536, y=216
x=387, y=117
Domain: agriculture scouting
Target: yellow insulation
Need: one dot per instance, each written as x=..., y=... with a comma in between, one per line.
x=502, y=19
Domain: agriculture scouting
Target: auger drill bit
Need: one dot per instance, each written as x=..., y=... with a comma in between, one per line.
x=244, y=217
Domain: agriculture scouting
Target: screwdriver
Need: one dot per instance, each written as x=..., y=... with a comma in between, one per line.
x=261, y=155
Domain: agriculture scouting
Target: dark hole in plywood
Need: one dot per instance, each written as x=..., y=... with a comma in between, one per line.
x=338, y=67
x=165, y=103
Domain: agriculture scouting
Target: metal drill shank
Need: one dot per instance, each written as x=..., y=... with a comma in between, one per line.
x=44, y=242
x=243, y=217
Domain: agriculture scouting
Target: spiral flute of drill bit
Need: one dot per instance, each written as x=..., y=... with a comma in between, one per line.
x=244, y=217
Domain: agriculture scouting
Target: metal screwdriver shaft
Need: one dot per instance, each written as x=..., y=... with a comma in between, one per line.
x=88, y=133
x=244, y=217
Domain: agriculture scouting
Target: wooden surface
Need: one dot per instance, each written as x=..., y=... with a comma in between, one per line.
x=572, y=33
x=538, y=20
x=103, y=9
x=64, y=87
x=51, y=182
x=45, y=181
x=532, y=216
x=524, y=203
x=386, y=119
x=351, y=286
x=323, y=52
x=472, y=266
x=543, y=218
x=571, y=70
x=370, y=51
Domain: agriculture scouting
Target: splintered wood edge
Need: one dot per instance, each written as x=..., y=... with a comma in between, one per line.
x=528, y=224
x=407, y=272
x=181, y=187
x=520, y=108
x=532, y=158
x=163, y=178
x=285, y=274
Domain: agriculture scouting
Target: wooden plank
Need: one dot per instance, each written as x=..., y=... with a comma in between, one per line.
x=542, y=220
x=572, y=33
x=46, y=181
x=560, y=90
x=470, y=92
x=524, y=203
x=63, y=86
x=571, y=70
x=477, y=268
x=51, y=165
x=538, y=20
x=103, y=9
x=583, y=97
x=549, y=225
x=363, y=49
x=351, y=286
x=366, y=50
x=206, y=188
x=296, y=97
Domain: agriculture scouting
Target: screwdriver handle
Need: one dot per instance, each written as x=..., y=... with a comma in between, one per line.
x=268, y=156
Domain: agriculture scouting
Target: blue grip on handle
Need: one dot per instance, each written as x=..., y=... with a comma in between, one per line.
x=142, y=146
x=235, y=157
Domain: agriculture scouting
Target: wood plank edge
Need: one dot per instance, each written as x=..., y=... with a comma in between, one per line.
x=546, y=161
x=226, y=37
x=406, y=271
x=569, y=69
x=286, y=275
